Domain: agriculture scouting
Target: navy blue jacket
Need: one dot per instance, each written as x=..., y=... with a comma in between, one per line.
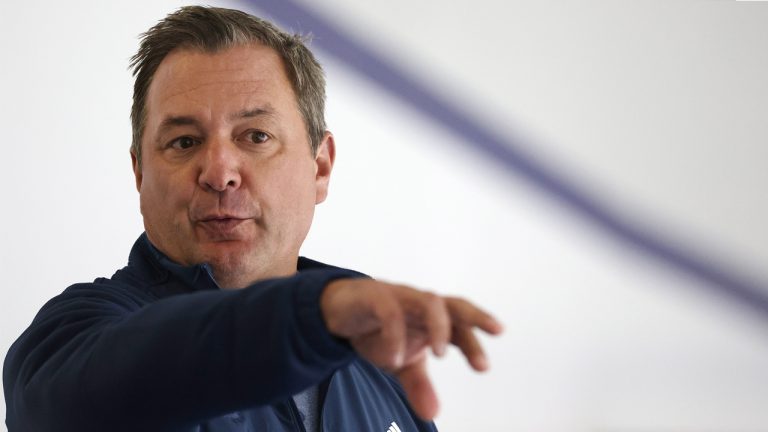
x=159, y=347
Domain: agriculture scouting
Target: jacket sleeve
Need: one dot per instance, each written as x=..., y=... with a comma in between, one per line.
x=99, y=357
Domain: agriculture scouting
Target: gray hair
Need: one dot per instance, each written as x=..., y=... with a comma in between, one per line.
x=212, y=29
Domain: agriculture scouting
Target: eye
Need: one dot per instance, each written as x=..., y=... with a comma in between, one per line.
x=183, y=143
x=257, y=136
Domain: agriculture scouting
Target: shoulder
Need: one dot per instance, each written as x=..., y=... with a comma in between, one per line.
x=82, y=305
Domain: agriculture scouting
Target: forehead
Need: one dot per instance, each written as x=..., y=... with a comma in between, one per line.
x=245, y=74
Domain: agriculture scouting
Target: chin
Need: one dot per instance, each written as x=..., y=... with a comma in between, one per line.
x=232, y=272
x=236, y=266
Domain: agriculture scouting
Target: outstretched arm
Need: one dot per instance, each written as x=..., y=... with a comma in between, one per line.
x=105, y=357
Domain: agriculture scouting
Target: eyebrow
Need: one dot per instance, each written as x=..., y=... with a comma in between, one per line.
x=266, y=110
x=173, y=121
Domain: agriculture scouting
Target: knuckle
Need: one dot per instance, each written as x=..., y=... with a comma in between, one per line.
x=458, y=300
x=433, y=300
x=390, y=313
x=387, y=289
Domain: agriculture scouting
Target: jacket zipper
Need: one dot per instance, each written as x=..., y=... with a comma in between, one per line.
x=295, y=416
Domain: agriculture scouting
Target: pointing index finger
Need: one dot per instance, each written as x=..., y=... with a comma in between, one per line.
x=466, y=314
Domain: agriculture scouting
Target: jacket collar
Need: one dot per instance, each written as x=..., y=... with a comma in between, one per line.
x=152, y=270
x=198, y=277
x=150, y=267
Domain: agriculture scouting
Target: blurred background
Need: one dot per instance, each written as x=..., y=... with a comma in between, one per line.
x=592, y=172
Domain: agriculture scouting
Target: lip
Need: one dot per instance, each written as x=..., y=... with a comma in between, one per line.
x=215, y=216
x=221, y=227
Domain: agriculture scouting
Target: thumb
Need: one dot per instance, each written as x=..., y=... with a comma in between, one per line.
x=418, y=388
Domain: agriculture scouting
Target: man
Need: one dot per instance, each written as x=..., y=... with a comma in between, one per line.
x=216, y=323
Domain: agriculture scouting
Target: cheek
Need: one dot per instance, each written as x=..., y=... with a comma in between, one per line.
x=292, y=190
x=159, y=195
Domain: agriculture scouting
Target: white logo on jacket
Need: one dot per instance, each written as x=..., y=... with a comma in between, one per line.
x=393, y=428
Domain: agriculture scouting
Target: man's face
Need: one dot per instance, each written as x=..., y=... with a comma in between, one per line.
x=227, y=175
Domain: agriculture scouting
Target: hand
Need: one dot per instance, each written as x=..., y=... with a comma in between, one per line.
x=393, y=326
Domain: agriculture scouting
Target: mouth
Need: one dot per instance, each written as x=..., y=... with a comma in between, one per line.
x=222, y=227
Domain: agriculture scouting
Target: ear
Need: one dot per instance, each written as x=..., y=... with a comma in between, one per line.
x=326, y=154
x=136, y=170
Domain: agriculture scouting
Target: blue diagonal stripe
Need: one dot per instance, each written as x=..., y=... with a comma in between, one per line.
x=508, y=151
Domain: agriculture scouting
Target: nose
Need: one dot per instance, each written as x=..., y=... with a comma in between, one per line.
x=220, y=166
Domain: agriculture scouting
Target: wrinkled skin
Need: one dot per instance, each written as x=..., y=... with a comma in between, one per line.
x=227, y=175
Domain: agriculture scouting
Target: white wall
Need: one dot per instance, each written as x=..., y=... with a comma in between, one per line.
x=657, y=107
